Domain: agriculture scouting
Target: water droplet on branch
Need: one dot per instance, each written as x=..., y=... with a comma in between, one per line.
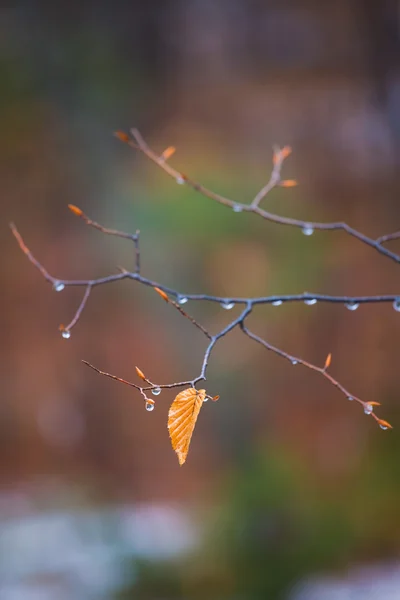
x=308, y=229
x=396, y=305
x=58, y=286
x=277, y=302
x=150, y=406
x=310, y=301
x=384, y=427
x=237, y=208
x=352, y=305
x=368, y=409
x=180, y=180
x=227, y=305
x=66, y=334
x=350, y=398
x=156, y=391
x=294, y=361
x=182, y=299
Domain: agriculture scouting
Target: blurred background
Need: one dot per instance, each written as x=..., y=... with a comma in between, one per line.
x=289, y=491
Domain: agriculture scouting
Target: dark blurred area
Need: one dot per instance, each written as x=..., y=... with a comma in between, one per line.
x=289, y=491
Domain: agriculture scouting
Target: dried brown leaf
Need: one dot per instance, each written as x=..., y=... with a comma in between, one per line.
x=182, y=417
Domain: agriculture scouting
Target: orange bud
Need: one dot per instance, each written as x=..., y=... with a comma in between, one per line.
x=384, y=424
x=74, y=209
x=215, y=398
x=121, y=135
x=140, y=374
x=285, y=152
x=288, y=183
x=168, y=152
x=374, y=403
x=162, y=294
x=328, y=361
x=280, y=154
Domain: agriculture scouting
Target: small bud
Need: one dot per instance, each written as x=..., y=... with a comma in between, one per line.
x=384, y=424
x=374, y=403
x=288, y=183
x=168, y=152
x=215, y=398
x=162, y=294
x=286, y=151
x=328, y=361
x=121, y=135
x=74, y=209
x=140, y=374
x=281, y=154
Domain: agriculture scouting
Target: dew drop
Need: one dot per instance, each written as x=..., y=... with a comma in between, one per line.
x=66, y=334
x=368, y=409
x=156, y=391
x=205, y=400
x=58, y=286
x=396, y=305
x=149, y=406
x=180, y=180
x=182, y=299
x=237, y=208
x=384, y=427
x=308, y=230
x=227, y=305
x=277, y=303
x=294, y=361
x=350, y=398
x=352, y=305
x=310, y=301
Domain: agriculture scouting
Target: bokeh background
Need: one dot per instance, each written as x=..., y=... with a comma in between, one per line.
x=289, y=491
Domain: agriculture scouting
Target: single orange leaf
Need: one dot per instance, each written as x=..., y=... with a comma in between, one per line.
x=168, y=152
x=162, y=294
x=140, y=374
x=121, y=135
x=328, y=361
x=288, y=183
x=182, y=417
x=74, y=209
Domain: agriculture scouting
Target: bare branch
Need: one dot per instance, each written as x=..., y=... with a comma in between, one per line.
x=308, y=227
x=247, y=304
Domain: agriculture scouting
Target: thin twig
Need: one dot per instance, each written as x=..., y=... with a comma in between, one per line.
x=309, y=226
x=295, y=360
x=80, y=308
x=388, y=238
